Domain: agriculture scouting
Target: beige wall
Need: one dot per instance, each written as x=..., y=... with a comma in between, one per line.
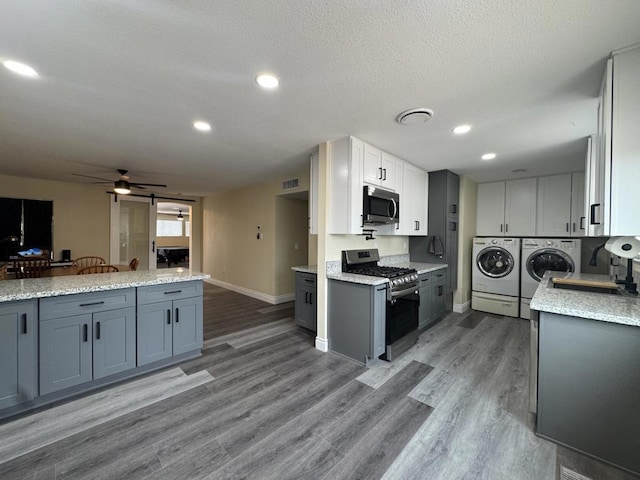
x=80, y=213
x=467, y=226
x=231, y=251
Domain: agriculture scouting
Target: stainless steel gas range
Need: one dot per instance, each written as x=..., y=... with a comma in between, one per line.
x=403, y=299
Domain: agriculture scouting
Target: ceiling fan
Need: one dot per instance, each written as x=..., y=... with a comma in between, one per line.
x=123, y=185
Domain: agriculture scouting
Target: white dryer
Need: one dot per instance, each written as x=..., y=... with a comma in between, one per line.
x=540, y=255
x=495, y=277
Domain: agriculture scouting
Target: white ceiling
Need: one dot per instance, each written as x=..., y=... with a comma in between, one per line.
x=123, y=80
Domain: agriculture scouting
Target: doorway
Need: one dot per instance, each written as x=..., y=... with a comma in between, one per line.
x=173, y=230
x=133, y=231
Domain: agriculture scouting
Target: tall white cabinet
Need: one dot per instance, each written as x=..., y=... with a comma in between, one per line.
x=613, y=167
x=506, y=208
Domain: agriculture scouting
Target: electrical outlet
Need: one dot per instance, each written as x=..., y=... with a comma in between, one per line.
x=296, y=246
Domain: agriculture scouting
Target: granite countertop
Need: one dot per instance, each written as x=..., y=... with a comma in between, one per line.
x=605, y=307
x=334, y=273
x=11, y=290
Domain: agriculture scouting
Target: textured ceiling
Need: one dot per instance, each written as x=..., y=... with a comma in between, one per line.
x=122, y=81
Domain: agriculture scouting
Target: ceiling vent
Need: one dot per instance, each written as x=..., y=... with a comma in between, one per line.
x=414, y=116
x=291, y=183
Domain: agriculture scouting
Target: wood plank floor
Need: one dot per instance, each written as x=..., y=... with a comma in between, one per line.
x=452, y=407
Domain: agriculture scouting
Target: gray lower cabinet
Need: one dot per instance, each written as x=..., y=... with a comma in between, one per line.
x=356, y=320
x=170, y=327
x=98, y=341
x=305, y=304
x=424, y=287
x=589, y=387
x=438, y=287
x=18, y=352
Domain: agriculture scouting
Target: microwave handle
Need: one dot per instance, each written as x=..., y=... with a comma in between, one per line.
x=395, y=209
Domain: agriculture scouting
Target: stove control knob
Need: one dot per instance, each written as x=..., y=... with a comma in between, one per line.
x=414, y=277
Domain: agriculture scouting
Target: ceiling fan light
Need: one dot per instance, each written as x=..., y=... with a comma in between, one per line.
x=180, y=216
x=121, y=187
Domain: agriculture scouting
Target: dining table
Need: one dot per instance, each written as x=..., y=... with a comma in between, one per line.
x=62, y=271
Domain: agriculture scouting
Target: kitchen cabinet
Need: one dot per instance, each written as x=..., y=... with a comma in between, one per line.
x=345, y=186
x=305, y=300
x=379, y=168
x=413, y=202
x=613, y=166
x=588, y=387
x=444, y=188
x=18, y=352
x=169, y=321
x=560, y=210
x=358, y=333
x=424, y=287
x=438, y=281
x=86, y=337
x=506, y=208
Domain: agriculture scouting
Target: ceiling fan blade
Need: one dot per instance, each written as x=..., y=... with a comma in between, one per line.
x=137, y=187
x=96, y=178
x=135, y=184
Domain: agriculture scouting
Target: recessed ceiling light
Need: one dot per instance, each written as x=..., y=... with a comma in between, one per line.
x=202, y=126
x=20, y=68
x=460, y=129
x=267, y=81
x=488, y=156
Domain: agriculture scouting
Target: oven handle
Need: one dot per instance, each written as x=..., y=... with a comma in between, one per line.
x=406, y=291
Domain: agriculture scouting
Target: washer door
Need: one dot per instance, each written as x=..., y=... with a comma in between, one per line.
x=495, y=262
x=548, y=259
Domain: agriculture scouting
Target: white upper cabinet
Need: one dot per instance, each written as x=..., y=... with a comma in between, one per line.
x=507, y=208
x=379, y=168
x=345, y=186
x=413, y=202
x=561, y=206
x=613, y=169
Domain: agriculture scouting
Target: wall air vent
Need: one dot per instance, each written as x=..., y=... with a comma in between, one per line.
x=567, y=474
x=291, y=183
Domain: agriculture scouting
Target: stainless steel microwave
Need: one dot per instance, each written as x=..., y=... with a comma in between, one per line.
x=380, y=206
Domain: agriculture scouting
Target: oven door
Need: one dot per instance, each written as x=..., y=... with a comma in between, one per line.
x=402, y=315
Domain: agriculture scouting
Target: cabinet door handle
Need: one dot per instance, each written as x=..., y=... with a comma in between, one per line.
x=168, y=316
x=306, y=297
x=380, y=174
x=310, y=298
x=97, y=330
x=308, y=280
x=173, y=291
x=593, y=214
x=85, y=332
x=24, y=323
x=439, y=290
x=568, y=226
x=506, y=227
x=573, y=226
x=500, y=228
x=385, y=173
x=454, y=226
x=582, y=223
x=153, y=246
x=454, y=208
x=177, y=315
x=92, y=303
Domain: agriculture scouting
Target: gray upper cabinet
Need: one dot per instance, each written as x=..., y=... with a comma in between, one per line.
x=18, y=352
x=169, y=321
x=99, y=340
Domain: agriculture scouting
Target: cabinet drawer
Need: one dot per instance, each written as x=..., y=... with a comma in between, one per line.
x=308, y=279
x=169, y=291
x=439, y=277
x=424, y=280
x=71, y=305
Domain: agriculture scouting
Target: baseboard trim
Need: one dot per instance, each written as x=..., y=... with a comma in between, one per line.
x=462, y=307
x=272, y=299
x=322, y=344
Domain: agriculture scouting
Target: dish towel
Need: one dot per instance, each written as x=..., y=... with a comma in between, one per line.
x=435, y=246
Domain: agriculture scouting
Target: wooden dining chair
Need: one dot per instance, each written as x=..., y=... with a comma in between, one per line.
x=3, y=272
x=82, y=262
x=31, y=268
x=98, y=269
x=133, y=264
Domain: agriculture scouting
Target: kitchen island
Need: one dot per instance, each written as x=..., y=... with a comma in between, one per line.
x=588, y=387
x=60, y=336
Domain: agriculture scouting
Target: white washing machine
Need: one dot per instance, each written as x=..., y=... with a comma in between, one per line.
x=495, y=277
x=540, y=255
